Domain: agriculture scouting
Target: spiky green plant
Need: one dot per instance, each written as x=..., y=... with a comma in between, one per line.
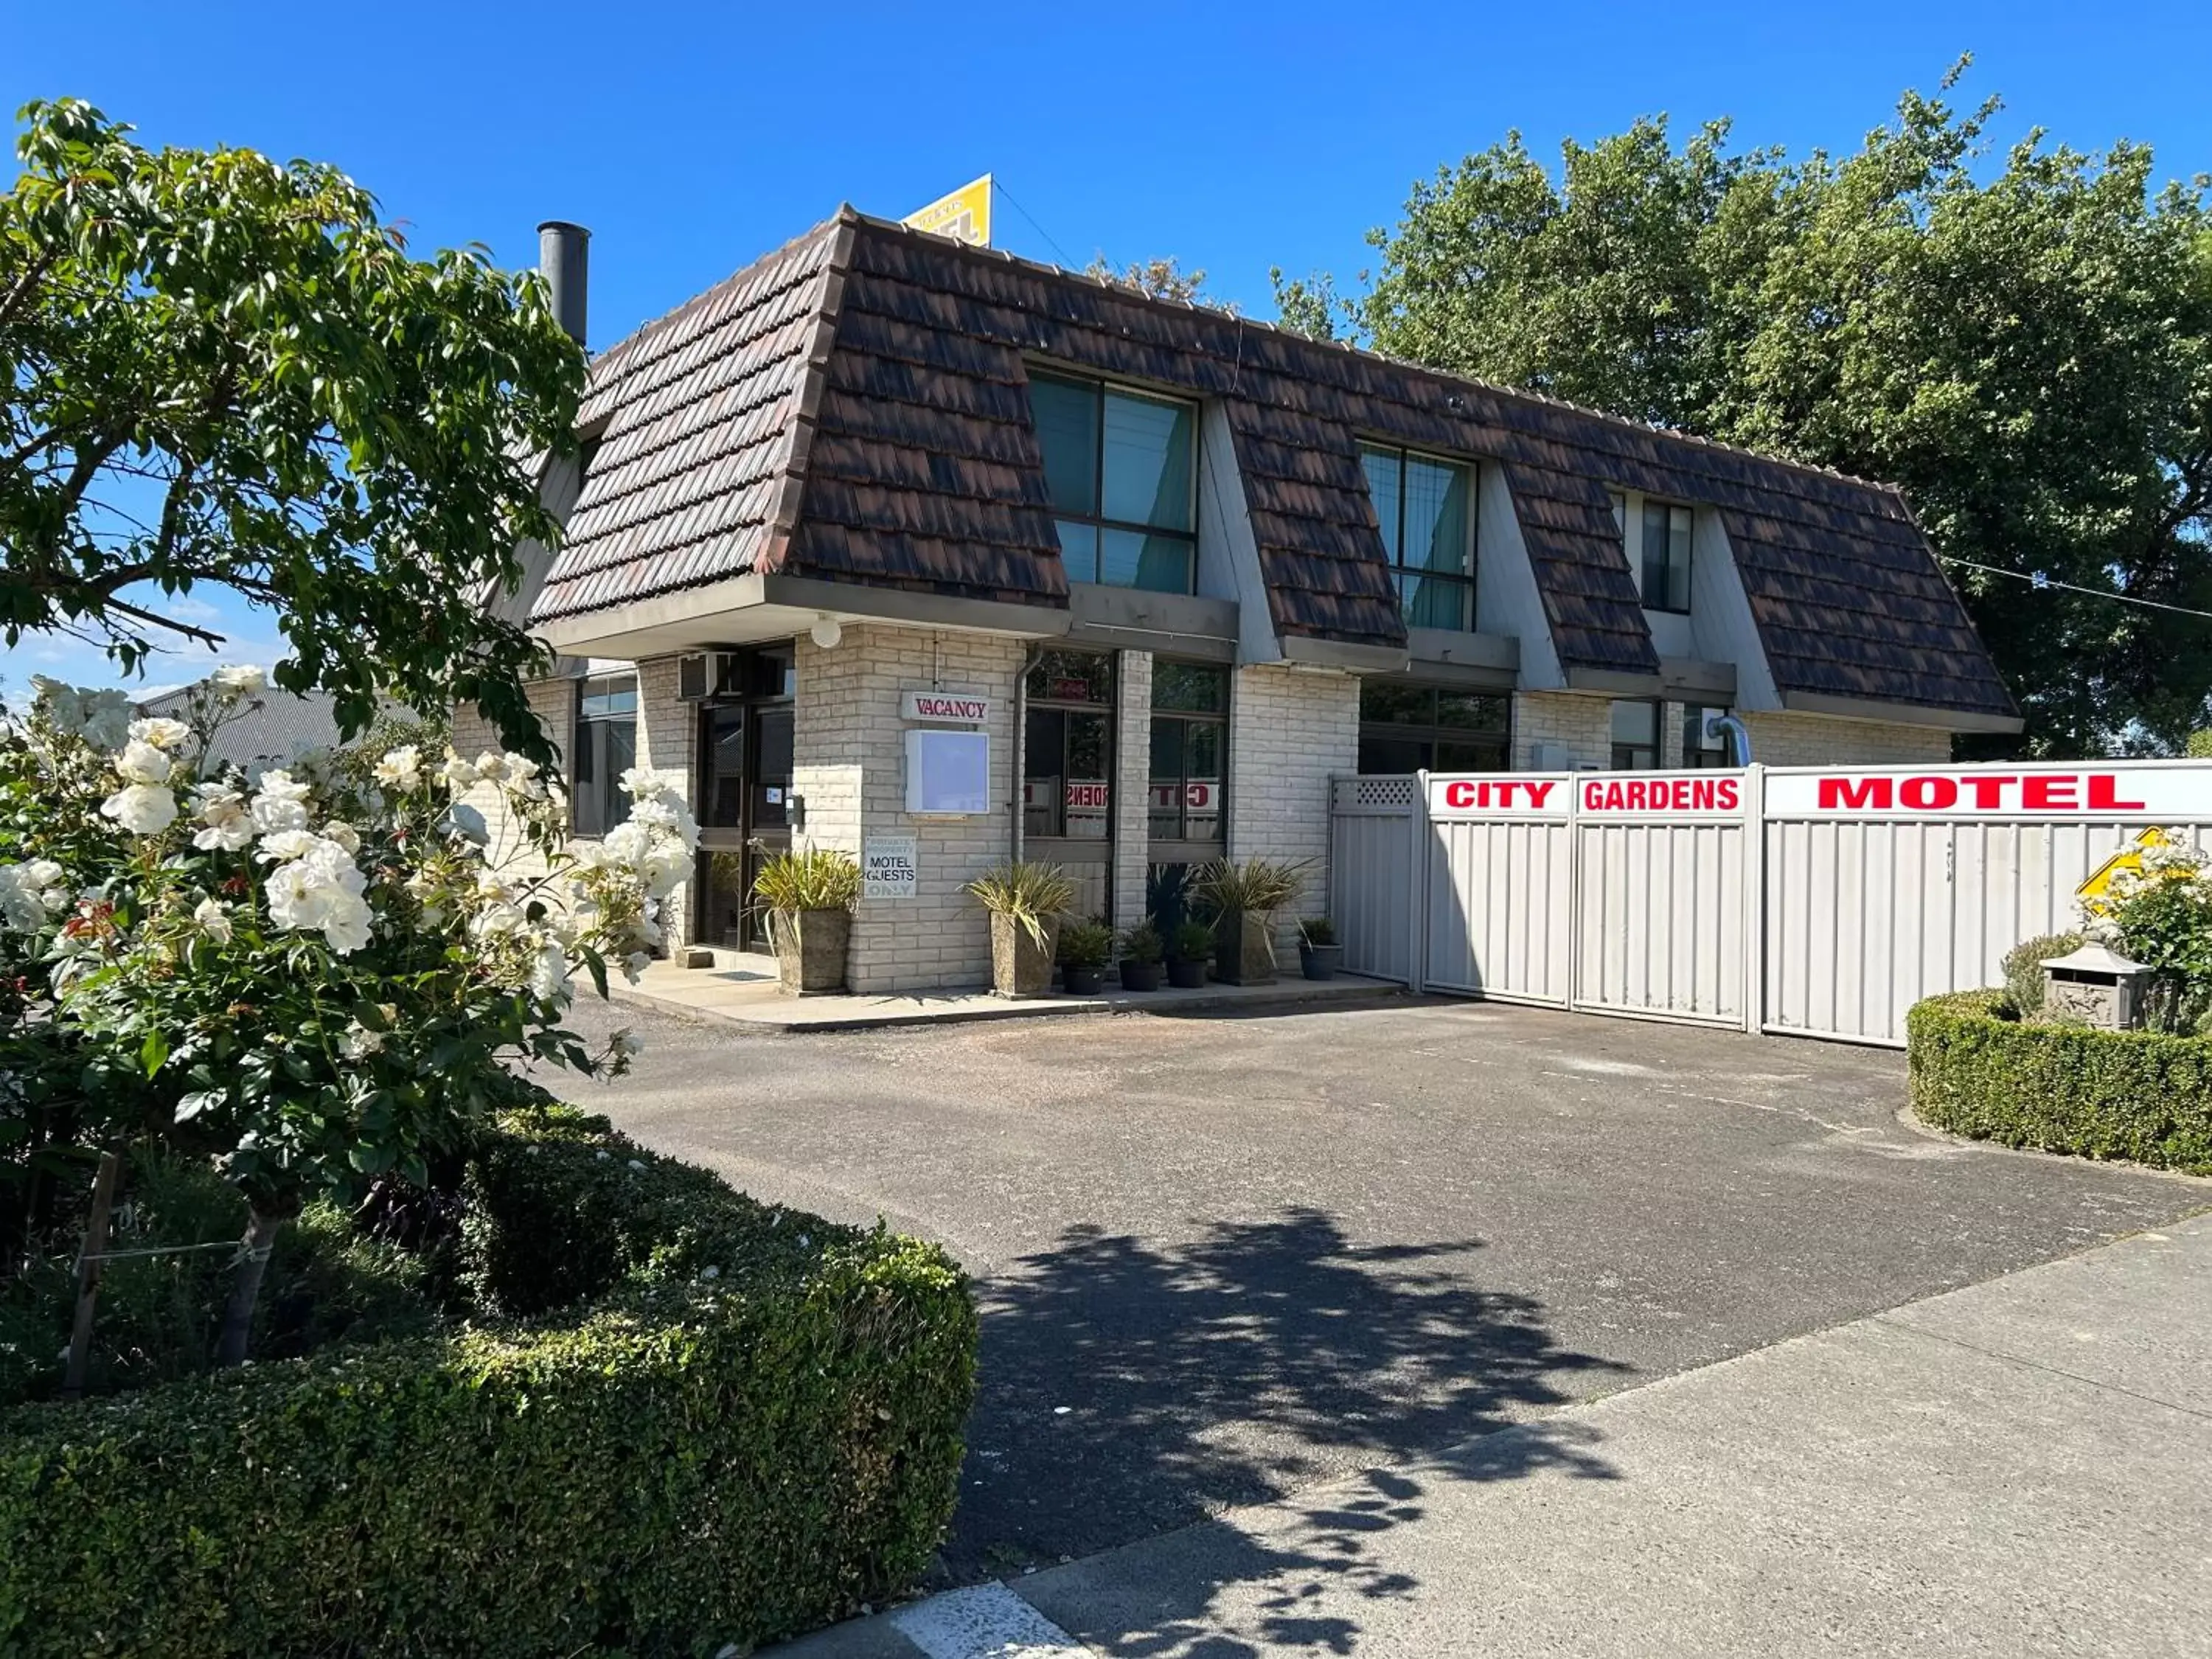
x=820, y=878
x=1033, y=894
x=1255, y=887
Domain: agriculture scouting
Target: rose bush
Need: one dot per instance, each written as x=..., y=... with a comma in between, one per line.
x=2160, y=915
x=308, y=975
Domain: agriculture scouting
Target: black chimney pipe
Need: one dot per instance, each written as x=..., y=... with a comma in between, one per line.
x=564, y=259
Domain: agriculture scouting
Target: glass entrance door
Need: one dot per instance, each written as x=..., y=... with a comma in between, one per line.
x=1067, y=773
x=745, y=759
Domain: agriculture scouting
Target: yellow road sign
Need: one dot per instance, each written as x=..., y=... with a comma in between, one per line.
x=2127, y=858
x=964, y=215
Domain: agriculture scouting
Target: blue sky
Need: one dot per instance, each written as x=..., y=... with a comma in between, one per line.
x=1232, y=137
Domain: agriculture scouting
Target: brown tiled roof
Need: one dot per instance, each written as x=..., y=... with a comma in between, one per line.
x=894, y=362
x=696, y=418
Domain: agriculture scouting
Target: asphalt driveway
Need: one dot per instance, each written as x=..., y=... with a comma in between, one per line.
x=1220, y=1258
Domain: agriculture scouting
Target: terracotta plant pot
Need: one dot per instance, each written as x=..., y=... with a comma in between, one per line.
x=1321, y=961
x=1186, y=975
x=811, y=951
x=1244, y=949
x=1021, y=964
x=1140, y=975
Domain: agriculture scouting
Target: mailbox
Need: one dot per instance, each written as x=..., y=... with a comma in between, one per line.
x=2096, y=985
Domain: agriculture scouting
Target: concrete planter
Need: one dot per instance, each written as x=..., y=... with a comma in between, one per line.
x=1021, y=966
x=811, y=951
x=1245, y=949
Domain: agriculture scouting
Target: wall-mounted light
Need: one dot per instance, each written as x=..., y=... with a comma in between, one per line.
x=826, y=632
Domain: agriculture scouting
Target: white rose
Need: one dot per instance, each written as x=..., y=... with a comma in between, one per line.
x=643, y=783
x=61, y=704
x=357, y=1042
x=107, y=719
x=346, y=927
x=222, y=812
x=239, y=679
x=282, y=845
x=457, y=775
x=491, y=767
x=213, y=920
x=548, y=975
x=159, y=731
x=20, y=906
x=280, y=803
x=141, y=762
x=144, y=809
x=628, y=1043
x=401, y=768
x=344, y=834
x=43, y=872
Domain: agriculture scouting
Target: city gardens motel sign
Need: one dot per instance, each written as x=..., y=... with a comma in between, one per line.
x=2154, y=790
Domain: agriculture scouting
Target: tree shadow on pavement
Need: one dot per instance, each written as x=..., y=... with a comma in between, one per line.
x=1128, y=1389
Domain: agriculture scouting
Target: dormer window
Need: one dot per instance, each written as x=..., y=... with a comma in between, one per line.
x=1123, y=469
x=1664, y=566
x=1425, y=509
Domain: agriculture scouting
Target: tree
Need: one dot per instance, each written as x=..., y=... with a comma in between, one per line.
x=2028, y=354
x=1159, y=279
x=217, y=369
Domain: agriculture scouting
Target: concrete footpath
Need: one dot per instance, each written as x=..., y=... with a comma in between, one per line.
x=2021, y=1468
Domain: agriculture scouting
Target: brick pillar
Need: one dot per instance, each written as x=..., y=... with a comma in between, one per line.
x=667, y=741
x=1132, y=786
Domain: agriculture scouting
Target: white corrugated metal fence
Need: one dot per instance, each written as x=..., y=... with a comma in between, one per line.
x=1819, y=900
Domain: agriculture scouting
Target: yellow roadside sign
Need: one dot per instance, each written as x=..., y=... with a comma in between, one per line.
x=2127, y=858
x=964, y=215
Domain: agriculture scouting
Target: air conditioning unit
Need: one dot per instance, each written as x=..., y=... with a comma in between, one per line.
x=703, y=674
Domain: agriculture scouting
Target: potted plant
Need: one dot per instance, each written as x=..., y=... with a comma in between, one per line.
x=1245, y=898
x=809, y=898
x=1194, y=944
x=1086, y=948
x=1320, y=956
x=1025, y=902
x=1141, y=951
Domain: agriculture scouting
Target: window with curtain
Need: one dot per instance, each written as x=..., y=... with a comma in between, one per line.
x=606, y=748
x=1122, y=468
x=1425, y=508
x=1635, y=736
x=1190, y=774
x=1666, y=572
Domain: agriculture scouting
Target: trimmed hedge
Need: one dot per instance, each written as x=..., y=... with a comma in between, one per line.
x=692, y=1462
x=2140, y=1095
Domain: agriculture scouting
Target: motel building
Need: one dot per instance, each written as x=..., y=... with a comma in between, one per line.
x=910, y=548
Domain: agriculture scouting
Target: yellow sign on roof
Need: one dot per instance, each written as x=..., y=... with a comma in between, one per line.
x=2127, y=858
x=964, y=215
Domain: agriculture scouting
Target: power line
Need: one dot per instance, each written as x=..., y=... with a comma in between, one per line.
x=1066, y=259
x=2038, y=579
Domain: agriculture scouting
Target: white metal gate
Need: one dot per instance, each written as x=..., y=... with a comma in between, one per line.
x=1820, y=901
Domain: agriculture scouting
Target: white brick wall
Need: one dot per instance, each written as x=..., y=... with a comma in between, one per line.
x=1781, y=739
x=1584, y=724
x=850, y=745
x=1289, y=730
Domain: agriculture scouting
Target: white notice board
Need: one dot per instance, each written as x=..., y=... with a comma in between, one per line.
x=948, y=772
x=889, y=869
